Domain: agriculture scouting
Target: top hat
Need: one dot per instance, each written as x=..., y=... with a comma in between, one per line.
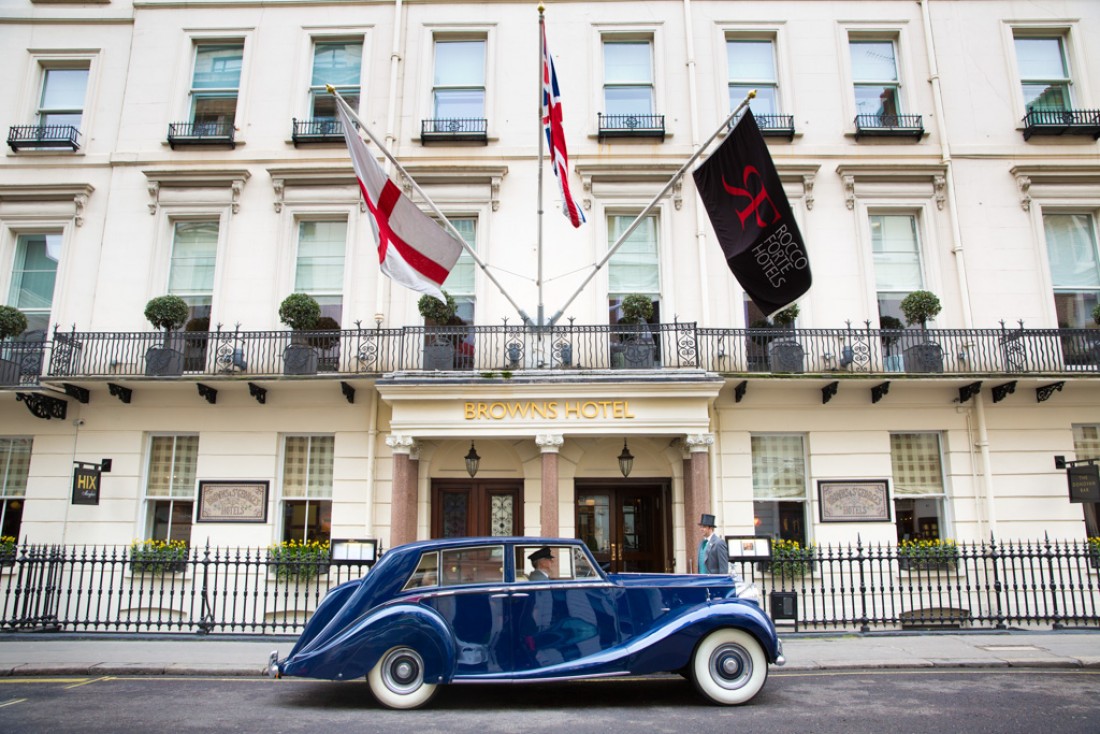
x=538, y=555
x=707, y=521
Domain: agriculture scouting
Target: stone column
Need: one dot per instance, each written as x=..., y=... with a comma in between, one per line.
x=697, y=499
x=403, y=493
x=549, y=444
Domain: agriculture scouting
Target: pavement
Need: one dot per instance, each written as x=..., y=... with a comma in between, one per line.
x=101, y=654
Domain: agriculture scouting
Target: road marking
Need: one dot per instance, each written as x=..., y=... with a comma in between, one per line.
x=86, y=682
x=39, y=680
x=12, y=702
x=1011, y=648
x=937, y=670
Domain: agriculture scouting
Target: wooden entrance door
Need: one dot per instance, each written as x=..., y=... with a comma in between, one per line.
x=626, y=525
x=464, y=509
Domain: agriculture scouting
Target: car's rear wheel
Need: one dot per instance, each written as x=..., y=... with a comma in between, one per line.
x=397, y=681
x=729, y=667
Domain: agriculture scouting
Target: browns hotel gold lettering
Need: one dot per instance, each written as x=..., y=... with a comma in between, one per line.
x=549, y=410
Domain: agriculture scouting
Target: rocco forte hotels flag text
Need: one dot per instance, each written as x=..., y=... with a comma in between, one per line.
x=413, y=249
x=752, y=219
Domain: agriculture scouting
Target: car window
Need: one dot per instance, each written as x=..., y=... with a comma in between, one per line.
x=426, y=573
x=484, y=565
x=566, y=562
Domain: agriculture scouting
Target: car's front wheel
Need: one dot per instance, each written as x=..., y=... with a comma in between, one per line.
x=397, y=681
x=729, y=666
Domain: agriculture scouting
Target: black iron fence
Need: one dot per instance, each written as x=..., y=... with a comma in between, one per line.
x=115, y=589
x=993, y=584
x=506, y=349
x=853, y=587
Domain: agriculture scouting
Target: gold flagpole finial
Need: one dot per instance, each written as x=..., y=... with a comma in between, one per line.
x=332, y=90
x=752, y=93
x=541, y=8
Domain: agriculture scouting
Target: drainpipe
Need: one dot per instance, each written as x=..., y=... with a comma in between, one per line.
x=957, y=250
x=372, y=458
x=700, y=221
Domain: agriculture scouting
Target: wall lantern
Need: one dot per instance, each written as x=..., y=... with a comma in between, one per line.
x=626, y=460
x=472, y=460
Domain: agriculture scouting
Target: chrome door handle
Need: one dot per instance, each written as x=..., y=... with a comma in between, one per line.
x=498, y=596
x=520, y=595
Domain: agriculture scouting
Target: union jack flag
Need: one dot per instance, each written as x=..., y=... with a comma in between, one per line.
x=555, y=137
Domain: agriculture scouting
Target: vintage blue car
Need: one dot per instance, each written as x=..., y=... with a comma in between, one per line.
x=521, y=609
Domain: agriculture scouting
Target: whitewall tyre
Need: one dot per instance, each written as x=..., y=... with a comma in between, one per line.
x=729, y=667
x=397, y=681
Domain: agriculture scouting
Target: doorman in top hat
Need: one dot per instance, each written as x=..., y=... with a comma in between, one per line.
x=714, y=556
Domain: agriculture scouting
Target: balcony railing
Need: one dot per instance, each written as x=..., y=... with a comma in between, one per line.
x=776, y=126
x=889, y=126
x=43, y=136
x=630, y=126
x=455, y=129
x=496, y=350
x=201, y=133
x=1062, y=122
x=317, y=131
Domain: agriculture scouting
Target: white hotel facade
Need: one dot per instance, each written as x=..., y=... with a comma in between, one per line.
x=161, y=147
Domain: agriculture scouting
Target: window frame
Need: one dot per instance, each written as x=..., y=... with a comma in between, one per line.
x=775, y=84
x=1093, y=215
x=444, y=37
x=189, y=41
x=17, y=238
x=6, y=495
x=616, y=296
x=150, y=502
x=308, y=499
x=806, y=500
x=195, y=94
x=875, y=31
x=38, y=63
x=918, y=231
x=945, y=518
x=466, y=300
x=617, y=38
x=312, y=90
x=325, y=297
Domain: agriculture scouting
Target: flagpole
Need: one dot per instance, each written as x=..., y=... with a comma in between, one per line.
x=542, y=139
x=649, y=207
x=443, y=217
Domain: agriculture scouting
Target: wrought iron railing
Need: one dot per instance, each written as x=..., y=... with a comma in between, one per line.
x=856, y=586
x=455, y=128
x=43, y=136
x=106, y=588
x=324, y=130
x=890, y=125
x=201, y=133
x=991, y=584
x=780, y=126
x=630, y=126
x=1062, y=122
x=506, y=349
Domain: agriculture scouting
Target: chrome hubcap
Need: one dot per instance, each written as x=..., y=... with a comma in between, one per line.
x=403, y=671
x=730, y=666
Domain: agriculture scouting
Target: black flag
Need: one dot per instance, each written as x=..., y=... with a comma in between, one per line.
x=752, y=219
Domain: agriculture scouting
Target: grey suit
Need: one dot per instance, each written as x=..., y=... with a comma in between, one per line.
x=538, y=575
x=717, y=559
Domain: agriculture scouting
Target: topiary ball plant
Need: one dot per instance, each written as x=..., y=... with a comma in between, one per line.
x=637, y=309
x=919, y=306
x=299, y=311
x=12, y=322
x=1096, y=314
x=787, y=316
x=167, y=312
x=438, y=312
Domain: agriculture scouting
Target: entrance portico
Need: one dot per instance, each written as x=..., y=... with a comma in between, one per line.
x=546, y=440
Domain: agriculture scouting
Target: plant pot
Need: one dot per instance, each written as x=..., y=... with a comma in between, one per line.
x=9, y=372
x=786, y=355
x=439, y=357
x=299, y=359
x=926, y=357
x=163, y=362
